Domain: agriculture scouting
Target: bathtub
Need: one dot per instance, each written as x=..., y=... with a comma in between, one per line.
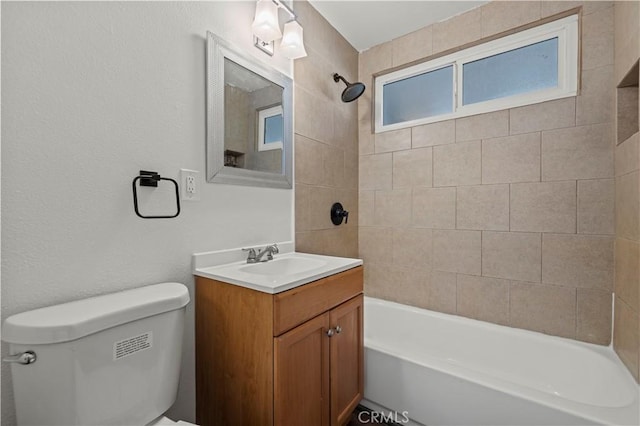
x=442, y=369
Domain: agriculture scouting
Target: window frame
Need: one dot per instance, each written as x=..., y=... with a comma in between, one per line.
x=565, y=29
x=263, y=114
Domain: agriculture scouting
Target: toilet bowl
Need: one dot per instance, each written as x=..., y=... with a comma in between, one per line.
x=107, y=360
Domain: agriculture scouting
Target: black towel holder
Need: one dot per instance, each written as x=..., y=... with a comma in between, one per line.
x=147, y=178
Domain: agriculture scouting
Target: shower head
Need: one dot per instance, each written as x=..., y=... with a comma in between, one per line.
x=353, y=90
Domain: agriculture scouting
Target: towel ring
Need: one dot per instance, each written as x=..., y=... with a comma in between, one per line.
x=147, y=178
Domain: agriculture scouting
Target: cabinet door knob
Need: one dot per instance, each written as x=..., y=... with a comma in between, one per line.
x=330, y=332
x=338, y=329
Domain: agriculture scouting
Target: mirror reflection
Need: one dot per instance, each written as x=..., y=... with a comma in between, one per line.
x=253, y=133
x=249, y=119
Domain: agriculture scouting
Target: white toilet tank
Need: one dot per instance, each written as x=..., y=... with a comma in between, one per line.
x=106, y=360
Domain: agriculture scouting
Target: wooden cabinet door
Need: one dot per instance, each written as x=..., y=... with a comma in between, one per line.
x=347, y=359
x=301, y=375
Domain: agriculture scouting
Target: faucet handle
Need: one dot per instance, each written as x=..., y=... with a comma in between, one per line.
x=252, y=255
x=271, y=250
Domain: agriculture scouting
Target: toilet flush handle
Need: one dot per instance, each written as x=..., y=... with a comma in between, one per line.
x=27, y=357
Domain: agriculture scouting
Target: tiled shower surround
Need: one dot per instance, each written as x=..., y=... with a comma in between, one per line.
x=326, y=140
x=507, y=216
x=516, y=217
x=626, y=336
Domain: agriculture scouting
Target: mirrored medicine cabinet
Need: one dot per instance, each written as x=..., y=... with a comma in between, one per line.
x=249, y=119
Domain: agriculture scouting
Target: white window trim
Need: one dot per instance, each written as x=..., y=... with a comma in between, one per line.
x=263, y=114
x=565, y=29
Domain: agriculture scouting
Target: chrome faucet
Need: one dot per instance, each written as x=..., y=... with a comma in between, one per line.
x=268, y=250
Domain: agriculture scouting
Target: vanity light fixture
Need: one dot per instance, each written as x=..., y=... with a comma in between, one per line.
x=265, y=24
x=266, y=29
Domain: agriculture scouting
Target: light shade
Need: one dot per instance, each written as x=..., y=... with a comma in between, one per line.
x=292, y=45
x=265, y=24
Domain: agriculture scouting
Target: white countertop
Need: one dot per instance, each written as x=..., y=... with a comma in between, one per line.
x=284, y=272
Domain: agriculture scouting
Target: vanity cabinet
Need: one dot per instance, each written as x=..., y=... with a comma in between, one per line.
x=285, y=359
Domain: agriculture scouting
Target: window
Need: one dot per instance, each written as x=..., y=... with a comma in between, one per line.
x=270, y=128
x=526, y=69
x=535, y=65
x=423, y=95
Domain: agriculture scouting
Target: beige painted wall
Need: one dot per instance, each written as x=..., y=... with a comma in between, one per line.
x=505, y=217
x=626, y=339
x=326, y=140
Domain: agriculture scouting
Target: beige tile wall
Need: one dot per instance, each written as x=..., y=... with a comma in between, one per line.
x=626, y=338
x=507, y=216
x=326, y=141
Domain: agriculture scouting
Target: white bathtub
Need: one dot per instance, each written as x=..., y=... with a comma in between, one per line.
x=447, y=370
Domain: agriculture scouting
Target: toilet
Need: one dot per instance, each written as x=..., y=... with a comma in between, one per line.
x=107, y=360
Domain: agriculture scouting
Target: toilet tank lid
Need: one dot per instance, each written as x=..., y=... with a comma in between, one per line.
x=73, y=320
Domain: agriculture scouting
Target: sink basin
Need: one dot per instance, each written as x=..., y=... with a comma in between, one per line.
x=283, y=266
x=284, y=272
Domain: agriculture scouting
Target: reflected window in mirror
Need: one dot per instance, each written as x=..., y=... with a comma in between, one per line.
x=270, y=128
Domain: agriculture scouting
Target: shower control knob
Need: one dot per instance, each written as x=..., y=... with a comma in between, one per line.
x=338, y=213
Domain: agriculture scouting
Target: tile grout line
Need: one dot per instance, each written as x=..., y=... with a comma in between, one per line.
x=509, y=302
x=576, y=199
x=541, y=254
x=575, y=331
x=540, y=169
x=432, y=166
x=456, y=277
x=481, y=145
x=455, y=208
x=509, y=207
x=481, y=253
